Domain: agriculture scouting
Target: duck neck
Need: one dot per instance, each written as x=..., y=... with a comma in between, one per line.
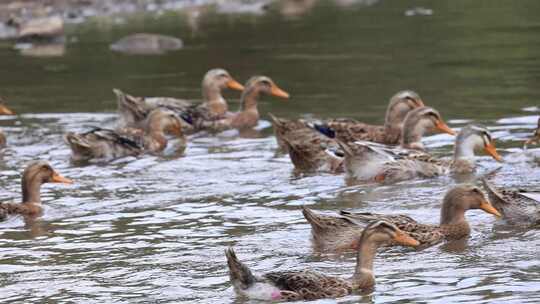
x=363, y=275
x=464, y=150
x=453, y=213
x=393, y=122
x=248, y=116
x=31, y=187
x=212, y=97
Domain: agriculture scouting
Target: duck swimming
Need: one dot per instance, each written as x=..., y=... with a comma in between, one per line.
x=364, y=163
x=348, y=130
x=109, y=144
x=248, y=116
x=311, y=285
x=338, y=233
x=134, y=110
x=519, y=207
x=35, y=174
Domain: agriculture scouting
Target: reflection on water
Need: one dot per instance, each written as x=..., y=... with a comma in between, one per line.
x=148, y=229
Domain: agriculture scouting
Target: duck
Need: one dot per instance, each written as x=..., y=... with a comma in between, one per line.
x=107, y=144
x=36, y=173
x=363, y=163
x=519, y=207
x=296, y=285
x=350, y=130
x=339, y=233
x=133, y=110
x=308, y=150
x=4, y=110
x=248, y=115
x=312, y=152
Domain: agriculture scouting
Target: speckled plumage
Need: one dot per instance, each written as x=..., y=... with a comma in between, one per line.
x=350, y=130
x=402, y=164
x=518, y=206
x=339, y=233
x=311, y=285
x=134, y=110
x=307, y=148
x=105, y=144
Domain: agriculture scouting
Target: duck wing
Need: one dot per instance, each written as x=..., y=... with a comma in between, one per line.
x=309, y=285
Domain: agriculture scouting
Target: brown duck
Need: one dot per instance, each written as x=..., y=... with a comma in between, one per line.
x=105, y=144
x=308, y=149
x=248, y=116
x=134, y=110
x=349, y=130
x=311, y=285
x=35, y=174
x=400, y=165
x=338, y=233
x=519, y=207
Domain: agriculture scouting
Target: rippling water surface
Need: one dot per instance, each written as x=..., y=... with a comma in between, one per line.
x=153, y=230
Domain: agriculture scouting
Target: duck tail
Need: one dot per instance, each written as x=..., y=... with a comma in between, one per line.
x=240, y=275
x=129, y=104
x=77, y=143
x=313, y=218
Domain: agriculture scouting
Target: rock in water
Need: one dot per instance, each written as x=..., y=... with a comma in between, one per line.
x=147, y=44
x=42, y=28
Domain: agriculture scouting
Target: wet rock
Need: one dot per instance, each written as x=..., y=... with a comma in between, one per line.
x=47, y=28
x=41, y=49
x=147, y=44
x=419, y=11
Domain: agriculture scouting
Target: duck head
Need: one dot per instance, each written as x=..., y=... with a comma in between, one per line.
x=400, y=104
x=462, y=198
x=474, y=137
x=418, y=122
x=36, y=174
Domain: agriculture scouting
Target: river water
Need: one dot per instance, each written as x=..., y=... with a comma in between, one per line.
x=153, y=230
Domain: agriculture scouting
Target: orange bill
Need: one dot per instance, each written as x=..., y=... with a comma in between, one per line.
x=441, y=126
x=5, y=111
x=405, y=239
x=235, y=85
x=57, y=178
x=490, y=149
x=487, y=207
x=278, y=92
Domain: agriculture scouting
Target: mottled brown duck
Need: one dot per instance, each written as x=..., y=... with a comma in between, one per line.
x=367, y=164
x=519, y=207
x=134, y=110
x=248, y=115
x=35, y=174
x=311, y=285
x=339, y=233
x=309, y=150
x=105, y=144
x=349, y=130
